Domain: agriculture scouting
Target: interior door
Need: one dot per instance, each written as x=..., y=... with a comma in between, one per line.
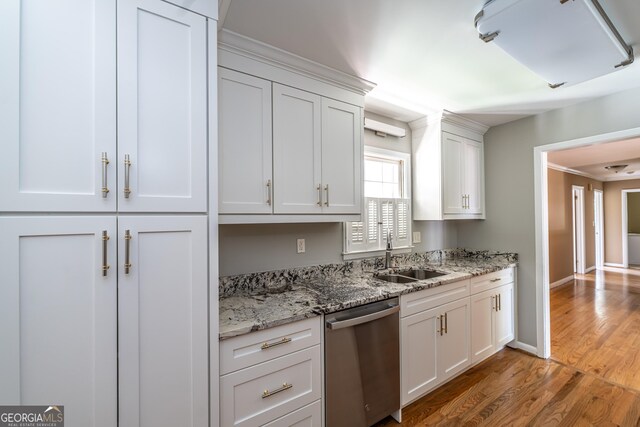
x=57, y=105
x=162, y=321
x=599, y=227
x=162, y=108
x=58, y=316
x=297, y=154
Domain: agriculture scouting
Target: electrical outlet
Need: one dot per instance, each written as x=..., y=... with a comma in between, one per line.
x=300, y=244
x=416, y=237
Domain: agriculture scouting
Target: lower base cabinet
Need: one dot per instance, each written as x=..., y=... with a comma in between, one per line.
x=107, y=316
x=492, y=321
x=435, y=347
x=272, y=377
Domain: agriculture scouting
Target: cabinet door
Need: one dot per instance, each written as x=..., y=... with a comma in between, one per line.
x=482, y=331
x=474, y=176
x=341, y=157
x=244, y=127
x=504, y=319
x=419, y=344
x=162, y=108
x=57, y=104
x=296, y=151
x=58, y=316
x=454, y=345
x=453, y=148
x=162, y=321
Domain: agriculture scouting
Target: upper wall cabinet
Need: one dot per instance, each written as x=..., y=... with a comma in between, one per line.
x=207, y=8
x=162, y=108
x=58, y=107
x=448, y=168
x=290, y=137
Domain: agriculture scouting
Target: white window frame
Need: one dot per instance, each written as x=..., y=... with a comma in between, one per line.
x=367, y=249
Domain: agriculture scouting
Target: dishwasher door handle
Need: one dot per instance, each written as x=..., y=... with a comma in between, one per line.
x=339, y=324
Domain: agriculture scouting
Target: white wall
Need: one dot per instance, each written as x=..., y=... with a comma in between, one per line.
x=509, y=178
x=264, y=247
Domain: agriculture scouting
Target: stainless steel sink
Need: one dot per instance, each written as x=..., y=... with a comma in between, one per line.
x=395, y=278
x=421, y=274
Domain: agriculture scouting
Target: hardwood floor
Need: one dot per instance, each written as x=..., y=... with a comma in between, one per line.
x=593, y=377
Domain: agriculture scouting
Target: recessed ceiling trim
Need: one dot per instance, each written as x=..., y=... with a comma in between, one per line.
x=229, y=41
x=565, y=169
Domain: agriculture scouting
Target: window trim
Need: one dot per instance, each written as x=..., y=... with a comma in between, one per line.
x=392, y=155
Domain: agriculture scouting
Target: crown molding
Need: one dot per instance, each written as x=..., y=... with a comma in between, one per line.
x=241, y=45
x=565, y=169
x=463, y=122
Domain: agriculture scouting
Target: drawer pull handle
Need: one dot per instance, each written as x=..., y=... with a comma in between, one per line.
x=269, y=192
x=105, y=162
x=284, y=387
x=499, y=303
x=127, y=251
x=127, y=173
x=496, y=280
x=105, y=264
x=446, y=328
x=273, y=344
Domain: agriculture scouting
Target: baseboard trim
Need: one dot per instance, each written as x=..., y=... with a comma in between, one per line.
x=561, y=282
x=614, y=264
x=590, y=269
x=524, y=347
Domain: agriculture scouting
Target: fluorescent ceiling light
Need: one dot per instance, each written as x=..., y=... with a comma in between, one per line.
x=383, y=129
x=563, y=41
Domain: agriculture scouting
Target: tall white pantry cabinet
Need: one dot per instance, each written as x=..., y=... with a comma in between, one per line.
x=105, y=211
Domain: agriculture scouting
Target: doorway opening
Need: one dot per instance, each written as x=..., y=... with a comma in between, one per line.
x=631, y=228
x=598, y=219
x=579, y=252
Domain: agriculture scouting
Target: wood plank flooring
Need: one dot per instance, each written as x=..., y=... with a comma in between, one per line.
x=593, y=377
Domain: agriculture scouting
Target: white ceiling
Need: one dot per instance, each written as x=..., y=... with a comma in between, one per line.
x=591, y=160
x=424, y=55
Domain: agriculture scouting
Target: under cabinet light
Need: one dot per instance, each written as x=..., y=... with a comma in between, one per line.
x=564, y=42
x=383, y=129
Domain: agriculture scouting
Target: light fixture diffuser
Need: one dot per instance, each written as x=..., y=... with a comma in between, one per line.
x=563, y=41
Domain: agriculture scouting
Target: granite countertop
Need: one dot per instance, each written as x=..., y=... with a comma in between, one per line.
x=259, y=301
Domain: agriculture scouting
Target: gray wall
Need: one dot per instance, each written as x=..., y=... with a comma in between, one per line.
x=509, y=177
x=264, y=247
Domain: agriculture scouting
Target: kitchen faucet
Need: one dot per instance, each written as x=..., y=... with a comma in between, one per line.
x=387, y=259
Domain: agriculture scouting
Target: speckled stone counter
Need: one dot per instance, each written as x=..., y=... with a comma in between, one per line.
x=252, y=302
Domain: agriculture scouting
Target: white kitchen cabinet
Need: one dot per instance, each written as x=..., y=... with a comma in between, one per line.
x=297, y=151
x=162, y=108
x=317, y=161
x=448, y=168
x=245, y=149
x=462, y=175
x=207, y=8
x=492, y=321
x=435, y=347
x=58, y=105
x=162, y=318
x=58, y=311
x=342, y=157
x=273, y=377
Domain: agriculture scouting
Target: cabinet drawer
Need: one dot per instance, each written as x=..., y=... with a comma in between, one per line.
x=491, y=280
x=257, y=347
x=430, y=298
x=243, y=401
x=309, y=416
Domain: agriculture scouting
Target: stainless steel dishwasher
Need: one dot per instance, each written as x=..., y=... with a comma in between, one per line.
x=362, y=364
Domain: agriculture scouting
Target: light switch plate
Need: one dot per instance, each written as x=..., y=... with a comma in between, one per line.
x=301, y=246
x=416, y=237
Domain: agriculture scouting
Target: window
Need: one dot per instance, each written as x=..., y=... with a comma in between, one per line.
x=386, y=203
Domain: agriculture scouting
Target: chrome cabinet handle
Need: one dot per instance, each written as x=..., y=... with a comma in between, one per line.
x=105, y=162
x=319, y=188
x=446, y=328
x=268, y=345
x=127, y=170
x=269, y=192
x=105, y=264
x=441, y=329
x=326, y=188
x=284, y=387
x=127, y=251
x=468, y=201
